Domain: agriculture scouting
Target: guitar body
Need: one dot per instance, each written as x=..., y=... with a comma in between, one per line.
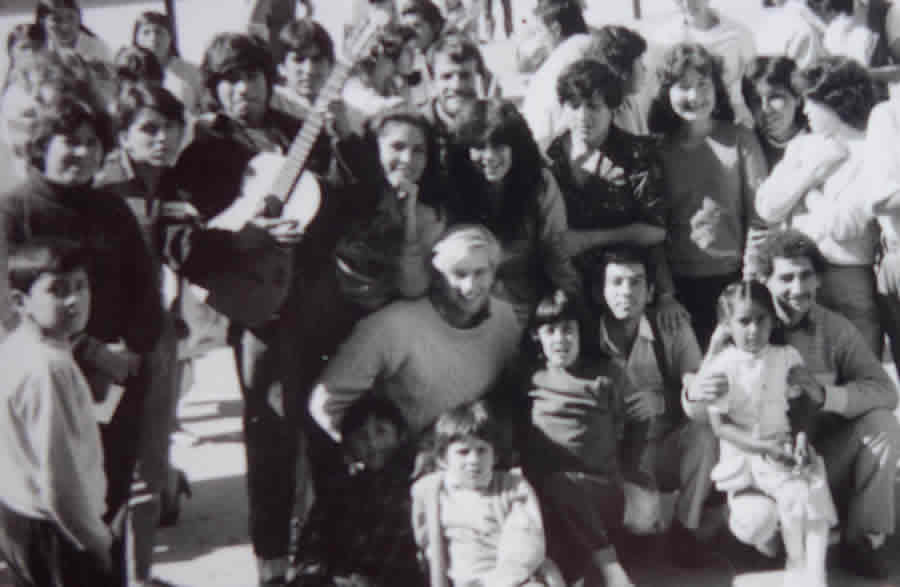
x=255, y=280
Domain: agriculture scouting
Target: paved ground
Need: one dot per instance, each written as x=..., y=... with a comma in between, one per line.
x=209, y=546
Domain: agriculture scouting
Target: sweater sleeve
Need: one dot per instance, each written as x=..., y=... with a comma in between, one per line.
x=76, y=503
x=364, y=358
x=862, y=383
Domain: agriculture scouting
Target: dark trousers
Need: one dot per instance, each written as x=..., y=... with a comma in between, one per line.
x=39, y=555
x=699, y=295
x=287, y=354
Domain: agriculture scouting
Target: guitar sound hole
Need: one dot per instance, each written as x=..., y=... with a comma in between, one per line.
x=272, y=207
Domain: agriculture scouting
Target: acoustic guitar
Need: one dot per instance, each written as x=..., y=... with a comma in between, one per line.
x=254, y=286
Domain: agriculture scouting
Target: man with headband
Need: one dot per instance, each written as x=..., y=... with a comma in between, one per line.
x=432, y=354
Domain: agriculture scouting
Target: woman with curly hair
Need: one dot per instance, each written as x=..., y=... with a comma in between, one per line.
x=816, y=189
x=776, y=103
x=504, y=184
x=712, y=169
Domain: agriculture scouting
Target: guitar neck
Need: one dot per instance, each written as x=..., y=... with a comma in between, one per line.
x=295, y=159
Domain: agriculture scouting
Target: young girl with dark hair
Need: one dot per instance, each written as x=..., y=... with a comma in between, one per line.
x=817, y=185
x=762, y=450
x=712, y=169
x=504, y=184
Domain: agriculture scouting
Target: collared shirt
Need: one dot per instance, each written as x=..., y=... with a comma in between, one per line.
x=682, y=354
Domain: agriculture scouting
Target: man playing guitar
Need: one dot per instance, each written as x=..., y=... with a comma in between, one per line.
x=239, y=74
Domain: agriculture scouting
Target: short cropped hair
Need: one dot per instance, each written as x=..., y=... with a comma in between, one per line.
x=844, y=86
x=619, y=47
x=231, y=52
x=458, y=48
x=466, y=422
x=64, y=114
x=372, y=404
x=39, y=256
x=677, y=62
x=788, y=244
x=306, y=38
x=152, y=17
x=462, y=240
x=566, y=13
x=136, y=97
x=585, y=78
x=620, y=255
x=136, y=64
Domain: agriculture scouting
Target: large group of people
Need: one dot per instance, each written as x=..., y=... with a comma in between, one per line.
x=479, y=339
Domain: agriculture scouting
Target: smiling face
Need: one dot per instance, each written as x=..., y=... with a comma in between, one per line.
x=469, y=463
x=793, y=284
x=454, y=83
x=776, y=111
x=626, y=290
x=492, y=161
x=589, y=122
x=560, y=343
x=465, y=283
x=693, y=96
x=73, y=159
x=750, y=326
x=58, y=304
x=403, y=152
x=244, y=96
x=152, y=139
x=156, y=39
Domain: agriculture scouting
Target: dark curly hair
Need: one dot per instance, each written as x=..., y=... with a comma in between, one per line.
x=844, y=86
x=778, y=72
x=580, y=81
x=64, y=114
x=135, y=64
x=619, y=47
x=138, y=96
x=305, y=37
x=497, y=122
x=677, y=61
x=390, y=43
x=789, y=244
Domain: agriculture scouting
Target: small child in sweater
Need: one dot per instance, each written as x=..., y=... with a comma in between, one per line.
x=476, y=526
x=360, y=534
x=757, y=450
x=52, y=498
x=577, y=416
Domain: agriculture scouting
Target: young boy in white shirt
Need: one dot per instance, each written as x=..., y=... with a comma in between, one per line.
x=53, y=495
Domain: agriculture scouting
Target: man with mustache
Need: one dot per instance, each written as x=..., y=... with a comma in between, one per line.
x=659, y=442
x=855, y=429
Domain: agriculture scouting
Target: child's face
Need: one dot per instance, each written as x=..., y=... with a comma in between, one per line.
x=693, y=96
x=560, y=342
x=58, y=303
x=156, y=39
x=374, y=443
x=305, y=73
x=625, y=290
x=152, y=138
x=73, y=159
x=469, y=463
x=750, y=326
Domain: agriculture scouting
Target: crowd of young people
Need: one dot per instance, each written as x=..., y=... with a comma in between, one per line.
x=478, y=340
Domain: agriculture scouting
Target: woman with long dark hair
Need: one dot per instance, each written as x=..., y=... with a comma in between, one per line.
x=504, y=184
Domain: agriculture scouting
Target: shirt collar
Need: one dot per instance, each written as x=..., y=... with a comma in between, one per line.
x=645, y=331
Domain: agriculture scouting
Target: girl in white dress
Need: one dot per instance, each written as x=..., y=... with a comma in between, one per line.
x=758, y=453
